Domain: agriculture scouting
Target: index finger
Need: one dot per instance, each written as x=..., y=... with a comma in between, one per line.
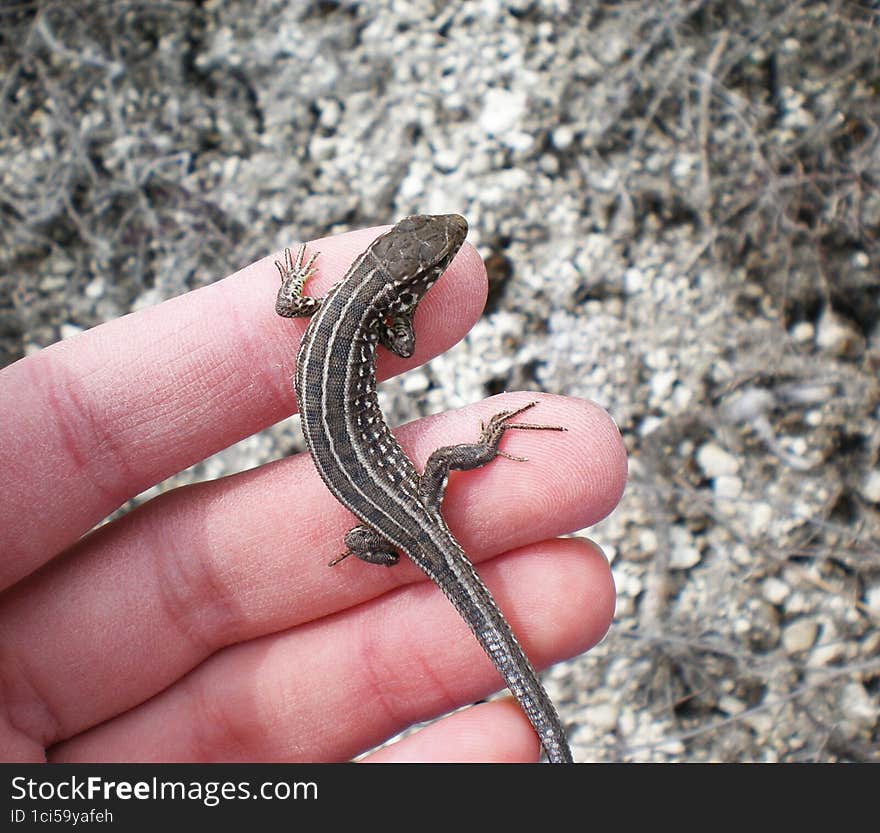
x=92, y=421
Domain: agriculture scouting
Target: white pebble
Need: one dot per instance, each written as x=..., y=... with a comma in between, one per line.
x=562, y=136
x=742, y=555
x=683, y=558
x=70, y=330
x=829, y=654
x=871, y=486
x=634, y=280
x=715, y=461
x=415, y=382
x=502, y=110
x=859, y=706
x=661, y=385
x=759, y=519
x=872, y=599
x=799, y=636
x=727, y=486
x=802, y=332
x=729, y=704
x=603, y=716
x=94, y=288
x=684, y=553
x=648, y=541
x=837, y=336
x=775, y=590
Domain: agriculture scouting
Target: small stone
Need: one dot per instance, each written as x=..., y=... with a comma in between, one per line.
x=648, y=425
x=519, y=140
x=683, y=558
x=548, y=164
x=603, y=716
x=829, y=654
x=871, y=643
x=797, y=603
x=148, y=298
x=872, y=599
x=626, y=582
x=727, y=486
x=634, y=281
x=715, y=461
x=627, y=723
x=803, y=332
x=838, y=336
x=748, y=405
x=445, y=160
x=502, y=111
x=759, y=519
x=742, y=555
x=647, y=541
x=682, y=397
x=562, y=136
x=731, y=705
x=52, y=283
x=684, y=554
x=859, y=706
x=661, y=385
x=415, y=382
x=775, y=590
x=870, y=488
x=329, y=112
x=657, y=359
x=69, y=330
x=95, y=288
x=760, y=722
x=799, y=636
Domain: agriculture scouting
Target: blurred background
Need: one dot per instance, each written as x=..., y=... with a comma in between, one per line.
x=678, y=204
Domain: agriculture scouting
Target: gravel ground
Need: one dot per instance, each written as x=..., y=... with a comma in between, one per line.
x=678, y=204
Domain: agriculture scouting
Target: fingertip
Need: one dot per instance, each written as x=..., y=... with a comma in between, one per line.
x=494, y=732
x=595, y=593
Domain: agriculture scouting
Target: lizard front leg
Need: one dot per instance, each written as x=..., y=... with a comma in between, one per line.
x=291, y=303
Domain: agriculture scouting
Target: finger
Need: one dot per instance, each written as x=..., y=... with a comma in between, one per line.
x=91, y=421
x=495, y=732
x=144, y=600
x=331, y=689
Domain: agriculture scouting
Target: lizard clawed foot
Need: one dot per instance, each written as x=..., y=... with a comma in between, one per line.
x=339, y=558
x=491, y=432
x=295, y=267
x=294, y=272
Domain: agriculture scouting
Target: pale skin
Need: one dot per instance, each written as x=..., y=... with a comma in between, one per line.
x=206, y=625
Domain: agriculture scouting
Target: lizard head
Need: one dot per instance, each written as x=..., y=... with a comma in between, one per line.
x=413, y=255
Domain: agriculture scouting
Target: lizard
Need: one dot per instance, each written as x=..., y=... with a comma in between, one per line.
x=358, y=457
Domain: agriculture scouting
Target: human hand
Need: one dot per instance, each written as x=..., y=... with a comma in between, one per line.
x=206, y=624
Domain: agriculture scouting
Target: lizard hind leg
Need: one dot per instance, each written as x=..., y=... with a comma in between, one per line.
x=466, y=456
x=369, y=546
